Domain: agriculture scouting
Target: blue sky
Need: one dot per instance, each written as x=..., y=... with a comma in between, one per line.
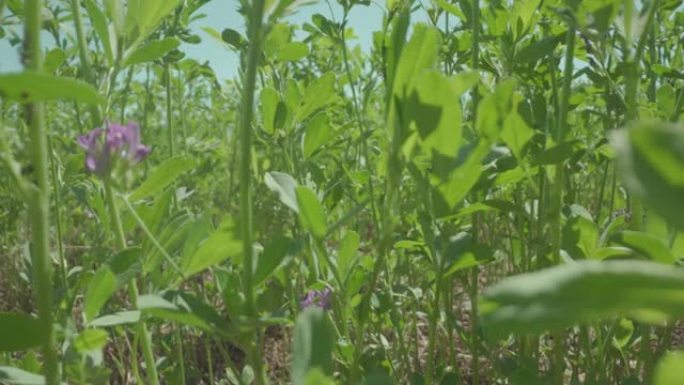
x=223, y=14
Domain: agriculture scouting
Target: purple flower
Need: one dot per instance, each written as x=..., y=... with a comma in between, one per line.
x=107, y=146
x=319, y=298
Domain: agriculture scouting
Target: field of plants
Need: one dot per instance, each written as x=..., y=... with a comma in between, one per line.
x=492, y=193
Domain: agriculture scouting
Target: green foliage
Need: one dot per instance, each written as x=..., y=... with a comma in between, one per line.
x=312, y=347
x=311, y=212
x=162, y=177
x=651, y=157
x=28, y=86
x=152, y=51
x=584, y=292
x=102, y=285
x=19, y=332
x=420, y=219
x=669, y=370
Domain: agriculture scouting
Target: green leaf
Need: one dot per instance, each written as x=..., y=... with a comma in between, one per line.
x=584, y=292
x=19, y=332
x=463, y=253
x=669, y=369
x=292, y=52
x=317, y=134
x=183, y=308
x=316, y=376
x=120, y=318
x=419, y=54
x=53, y=60
x=152, y=51
x=434, y=107
x=532, y=53
x=311, y=212
x=219, y=246
x=646, y=244
x=30, y=86
x=101, y=286
x=312, y=346
x=273, y=255
x=452, y=9
x=99, y=23
x=89, y=340
x=269, y=104
x=126, y=264
x=650, y=162
x=580, y=237
x=346, y=255
x=456, y=186
x=319, y=93
x=144, y=16
x=15, y=376
x=558, y=153
x=233, y=38
x=284, y=185
x=516, y=133
x=165, y=174
x=495, y=108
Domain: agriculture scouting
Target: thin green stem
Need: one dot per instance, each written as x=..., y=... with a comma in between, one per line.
x=152, y=238
x=40, y=203
x=557, y=188
x=141, y=328
x=477, y=219
x=169, y=111
x=84, y=57
x=58, y=216
x=255, y=32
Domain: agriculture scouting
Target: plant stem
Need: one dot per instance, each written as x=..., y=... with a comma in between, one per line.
x=84, y=57
x=141, y=328
x=254, y=28
x=40, y=202
x=477, y=219
x=169, y=112
x=560, y=133
x=58, y=217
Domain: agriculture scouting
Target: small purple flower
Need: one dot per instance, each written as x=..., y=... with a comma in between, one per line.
x=106, y=146
x=318, y=298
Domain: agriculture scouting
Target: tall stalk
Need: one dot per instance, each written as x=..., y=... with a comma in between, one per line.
x=254, y=30
x=84, y=57
x=169, y=112
x=141, y=330
x=477, y=219
x=557, y=186
x=387, y=208
x=40, y=199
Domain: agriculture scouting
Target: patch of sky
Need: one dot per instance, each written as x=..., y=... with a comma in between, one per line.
x=221, y=14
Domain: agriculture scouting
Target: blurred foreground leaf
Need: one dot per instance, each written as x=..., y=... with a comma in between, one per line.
x=584, y=292
x=650, y=161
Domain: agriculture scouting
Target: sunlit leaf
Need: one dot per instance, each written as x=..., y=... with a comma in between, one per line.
x=91, y=339
x=584, y=292
x=219, y=246
x=165, y=174
x=152, y=51
x=100, y=287
x=292, y=52
x=284, y=185
x=120, y=318
x=30, y=86
x=311, y=212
